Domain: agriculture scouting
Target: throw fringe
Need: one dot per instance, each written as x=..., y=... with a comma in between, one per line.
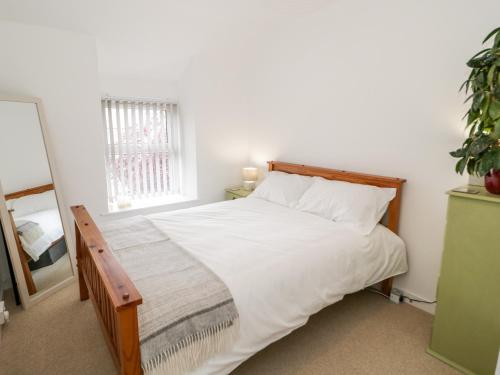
x=190, y=353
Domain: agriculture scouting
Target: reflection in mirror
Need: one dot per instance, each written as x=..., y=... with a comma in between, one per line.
x=30, y=198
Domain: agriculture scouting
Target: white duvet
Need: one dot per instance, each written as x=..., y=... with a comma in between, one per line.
x=281, y=265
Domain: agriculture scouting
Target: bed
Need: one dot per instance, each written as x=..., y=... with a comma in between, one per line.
x=36, y=208
x=281, y=266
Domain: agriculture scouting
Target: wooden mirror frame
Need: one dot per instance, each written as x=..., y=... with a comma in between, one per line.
x=5, y=218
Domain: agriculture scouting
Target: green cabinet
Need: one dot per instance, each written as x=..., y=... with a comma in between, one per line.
x=235, y=193
x=466, y=329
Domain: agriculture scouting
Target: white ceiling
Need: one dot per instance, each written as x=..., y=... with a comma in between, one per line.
x=157, y=38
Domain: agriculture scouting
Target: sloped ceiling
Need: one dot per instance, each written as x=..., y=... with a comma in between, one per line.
x=157, y=38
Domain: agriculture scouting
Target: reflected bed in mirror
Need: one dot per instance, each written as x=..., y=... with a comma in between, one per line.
x=34, y=217
x=39, y=237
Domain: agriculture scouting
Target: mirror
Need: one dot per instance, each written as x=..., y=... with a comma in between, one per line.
x=37, y=246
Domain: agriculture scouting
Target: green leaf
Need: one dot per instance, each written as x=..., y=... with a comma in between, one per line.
x=469, y=98
x=480, y=128
x=491, y=74
x=466, y=115
x=494, y=109
x=482, y=167
x=489, y=126
x=477, y=101
x=459, y=168
x=496, y=90
x=496, y=42
x=480, y=144
x=480, y=80
x=471, y=116
x=481, y=61
x=496, y=164
x=480, y=53
x=473, y=64
x=471, y=166
x=459, y=153
x=464, y=84
x=484, y=108
x=488, y=161
x=472, y=130
x=470, y=79
x=477, y=62
x=497, y=128
x=491, y=34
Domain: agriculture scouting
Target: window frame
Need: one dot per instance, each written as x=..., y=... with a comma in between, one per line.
x=142, y=152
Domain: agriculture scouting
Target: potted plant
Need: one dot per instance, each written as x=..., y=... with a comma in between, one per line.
x=480, y=152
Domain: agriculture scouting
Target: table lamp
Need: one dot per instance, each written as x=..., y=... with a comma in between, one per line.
x=249, y=177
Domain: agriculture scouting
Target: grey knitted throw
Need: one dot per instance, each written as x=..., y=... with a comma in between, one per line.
x=188, y=313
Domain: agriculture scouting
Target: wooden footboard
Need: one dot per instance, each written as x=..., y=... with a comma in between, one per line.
x=113, y=294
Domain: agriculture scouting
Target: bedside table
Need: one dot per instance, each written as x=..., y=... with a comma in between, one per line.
x=235, y=193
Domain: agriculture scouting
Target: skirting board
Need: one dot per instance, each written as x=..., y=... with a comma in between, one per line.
x=449, y=362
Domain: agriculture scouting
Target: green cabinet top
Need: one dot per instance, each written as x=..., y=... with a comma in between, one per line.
x=482, y=194
x=238, y=191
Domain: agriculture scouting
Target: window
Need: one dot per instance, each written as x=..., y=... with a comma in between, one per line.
x=142, y=150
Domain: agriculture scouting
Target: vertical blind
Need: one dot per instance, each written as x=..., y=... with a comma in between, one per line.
x=142, y=149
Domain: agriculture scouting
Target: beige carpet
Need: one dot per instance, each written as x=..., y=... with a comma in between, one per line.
x=364, y=334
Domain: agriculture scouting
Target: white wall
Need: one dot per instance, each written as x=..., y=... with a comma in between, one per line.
x=373, y=87
x=369, y=87
x=214, y=111
x=23, y=159
x=61, y=68
x=136, y=87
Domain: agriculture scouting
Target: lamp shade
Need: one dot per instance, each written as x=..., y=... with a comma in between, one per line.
x=250, y=174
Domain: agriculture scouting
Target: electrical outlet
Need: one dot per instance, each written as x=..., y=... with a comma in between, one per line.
x=396, y=296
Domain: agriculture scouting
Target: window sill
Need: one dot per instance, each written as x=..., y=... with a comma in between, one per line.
x=144, y=204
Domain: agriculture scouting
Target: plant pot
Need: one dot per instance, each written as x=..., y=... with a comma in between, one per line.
x=492, y=181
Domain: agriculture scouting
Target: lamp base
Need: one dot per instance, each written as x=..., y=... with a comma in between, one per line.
x=249, y=185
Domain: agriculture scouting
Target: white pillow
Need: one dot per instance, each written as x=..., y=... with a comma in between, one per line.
x=33, y=203
x=359, y=206
x=282, y=188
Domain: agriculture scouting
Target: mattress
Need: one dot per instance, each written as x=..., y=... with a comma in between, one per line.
x=281, y=265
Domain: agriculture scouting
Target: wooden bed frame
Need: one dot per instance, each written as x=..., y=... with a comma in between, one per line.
x=30, y=284
x=114, y=295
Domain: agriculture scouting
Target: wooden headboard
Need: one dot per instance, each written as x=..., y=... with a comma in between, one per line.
x=30, y=191
x=354, y=177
